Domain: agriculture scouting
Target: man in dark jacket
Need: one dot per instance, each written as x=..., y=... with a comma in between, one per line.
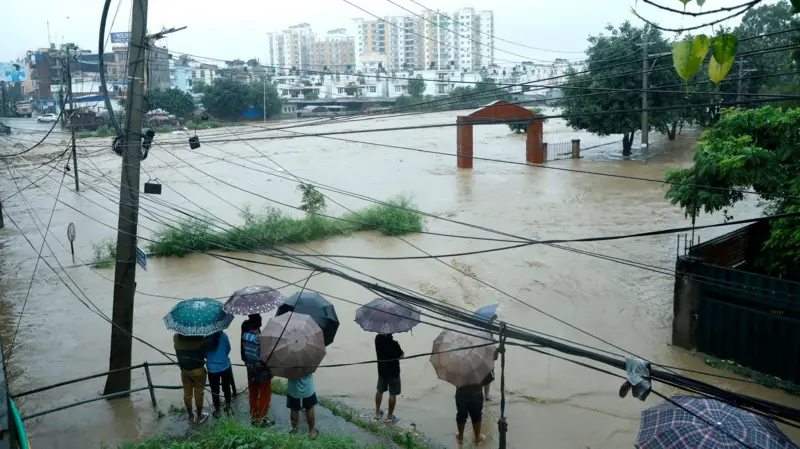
x=388, y=353
x=191, y=352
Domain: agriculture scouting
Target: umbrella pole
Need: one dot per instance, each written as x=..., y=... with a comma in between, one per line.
x=502, y=425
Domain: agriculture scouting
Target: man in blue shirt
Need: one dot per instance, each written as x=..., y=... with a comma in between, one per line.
x=218, y=346
x=302, y=396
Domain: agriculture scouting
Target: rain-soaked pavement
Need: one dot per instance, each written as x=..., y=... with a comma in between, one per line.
x=550, y=403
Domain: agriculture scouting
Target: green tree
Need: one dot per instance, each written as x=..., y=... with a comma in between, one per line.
x=200, y=87
x=416, y=87
x=173, y=100
x=607, y=85
x=754, y=149
x=256, y=97
x=310, y=94
x=313, y=201
x=227, y=99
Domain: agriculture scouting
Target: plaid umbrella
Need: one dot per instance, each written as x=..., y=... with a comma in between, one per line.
x=197, y=317
x=292, y=345
x=668, y=426
x=462, y=367
x=387, y=317
x=253, y=299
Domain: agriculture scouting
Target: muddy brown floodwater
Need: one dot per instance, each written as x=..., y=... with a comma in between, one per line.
x=551, y=403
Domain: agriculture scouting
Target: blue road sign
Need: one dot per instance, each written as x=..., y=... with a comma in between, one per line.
x=141, y=258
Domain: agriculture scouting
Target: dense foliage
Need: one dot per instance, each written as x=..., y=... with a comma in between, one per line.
x=756, y=149
x=174, y=101
x=229, y=99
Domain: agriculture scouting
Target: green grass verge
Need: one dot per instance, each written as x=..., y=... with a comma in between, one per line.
x=762, y=379
x=400, y=437
x=105, y=253
x=228, y=434
x=274, y=228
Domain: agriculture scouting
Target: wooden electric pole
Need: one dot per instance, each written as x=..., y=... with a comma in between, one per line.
x=125, y=273
x=71, y=120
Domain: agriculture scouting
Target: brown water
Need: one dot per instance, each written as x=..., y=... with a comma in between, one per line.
x=551, y=403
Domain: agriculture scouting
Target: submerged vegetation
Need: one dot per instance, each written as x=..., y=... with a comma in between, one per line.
x=261, y=231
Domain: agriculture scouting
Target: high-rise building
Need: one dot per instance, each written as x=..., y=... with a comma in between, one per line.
x=462, y=40
x=336, y=51
x=290, y=48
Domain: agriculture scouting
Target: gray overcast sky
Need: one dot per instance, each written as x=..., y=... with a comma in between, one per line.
x=235, y=28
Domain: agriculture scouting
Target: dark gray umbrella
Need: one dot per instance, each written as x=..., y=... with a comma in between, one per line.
x=317, y=307
x=253, y=299
x=387, y=317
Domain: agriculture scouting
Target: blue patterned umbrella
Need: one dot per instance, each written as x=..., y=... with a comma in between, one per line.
x=717, y=425
x=197, y=317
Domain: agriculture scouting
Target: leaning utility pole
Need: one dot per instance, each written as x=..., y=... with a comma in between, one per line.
x=645, y=70
x=739, y=87
x=71, y=121
x=125, y=273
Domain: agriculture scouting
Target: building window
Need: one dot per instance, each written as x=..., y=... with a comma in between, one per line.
x=372, y=89
x=441, y=88
x=340, y=90
x=202, y=74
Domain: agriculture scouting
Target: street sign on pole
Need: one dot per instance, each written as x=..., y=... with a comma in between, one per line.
x=71, y=238
x=141, y=258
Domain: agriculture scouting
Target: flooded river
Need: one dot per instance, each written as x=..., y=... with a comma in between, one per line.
x=551, y=404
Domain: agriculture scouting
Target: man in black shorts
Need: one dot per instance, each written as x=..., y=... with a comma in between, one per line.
x=469, y=402
x=386, y=348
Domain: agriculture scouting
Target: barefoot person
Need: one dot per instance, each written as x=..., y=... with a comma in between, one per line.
x=191, y=352
x=469, y=403
x=218, y=346
x=259, y=379
x=389, y=353
x=302, y=396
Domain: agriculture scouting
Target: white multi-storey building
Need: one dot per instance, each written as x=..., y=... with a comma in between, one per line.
x=462, y=40
x=291, y=48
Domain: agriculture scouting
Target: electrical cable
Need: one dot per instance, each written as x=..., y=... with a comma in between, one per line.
x=6, y=156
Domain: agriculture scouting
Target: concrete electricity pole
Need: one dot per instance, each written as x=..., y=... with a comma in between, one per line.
x=125, y=273
x=71, y=121
x=739, y=86
x=645, y=70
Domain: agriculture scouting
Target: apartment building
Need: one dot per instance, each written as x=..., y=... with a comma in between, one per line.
x=291, y=48
x=336, y=51
x=461, y=40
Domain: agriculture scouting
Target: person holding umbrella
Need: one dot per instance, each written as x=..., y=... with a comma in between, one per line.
x=191, y=352
x=259, y=378
x=218, y=347
x=389, y=353
x=192, y=320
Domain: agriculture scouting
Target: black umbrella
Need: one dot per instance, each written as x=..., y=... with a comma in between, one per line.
x=315, y=306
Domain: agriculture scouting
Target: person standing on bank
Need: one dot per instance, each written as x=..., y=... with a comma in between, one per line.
x=191, y=353
x=259, y=378
x=388, y=353
x=218, y=346
x=302, y=396
x=469, y=403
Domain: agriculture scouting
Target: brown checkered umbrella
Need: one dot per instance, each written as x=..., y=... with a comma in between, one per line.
x=462, y=367
x=292, y=345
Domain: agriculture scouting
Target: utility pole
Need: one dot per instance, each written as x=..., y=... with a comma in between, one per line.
x=71, y=121
x=264, y=109
x=125, y=272
x=645, y=70
x=739, y=86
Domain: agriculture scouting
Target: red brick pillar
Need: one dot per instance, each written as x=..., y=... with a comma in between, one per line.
x=534, y=151
x=464, y=141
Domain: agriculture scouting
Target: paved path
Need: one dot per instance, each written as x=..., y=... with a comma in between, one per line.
x=174, y=424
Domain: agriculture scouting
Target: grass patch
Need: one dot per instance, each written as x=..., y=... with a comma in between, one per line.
x=164, y=129
x=228, y=434
x=105, y=253
x=400, y=437
x=279, y=386
x=762, y=379
x=274, y=228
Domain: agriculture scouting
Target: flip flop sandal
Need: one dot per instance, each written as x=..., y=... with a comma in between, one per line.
x=203, y=417
x=216, y=414
x=379, y=417
x=313, y=434
x=394, y=420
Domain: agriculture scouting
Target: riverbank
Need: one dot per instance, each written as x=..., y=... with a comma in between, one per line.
x=263, y=231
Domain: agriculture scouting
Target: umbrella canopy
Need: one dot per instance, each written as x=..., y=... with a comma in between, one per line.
x=197, y=317
x=669, y=426
x=298, y=344
x=253, y=299
x=387, y=317
x=462, y=367
x=317, y=307
x=487, y=312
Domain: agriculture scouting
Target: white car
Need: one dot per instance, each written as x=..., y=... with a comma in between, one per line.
x=47, y=118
